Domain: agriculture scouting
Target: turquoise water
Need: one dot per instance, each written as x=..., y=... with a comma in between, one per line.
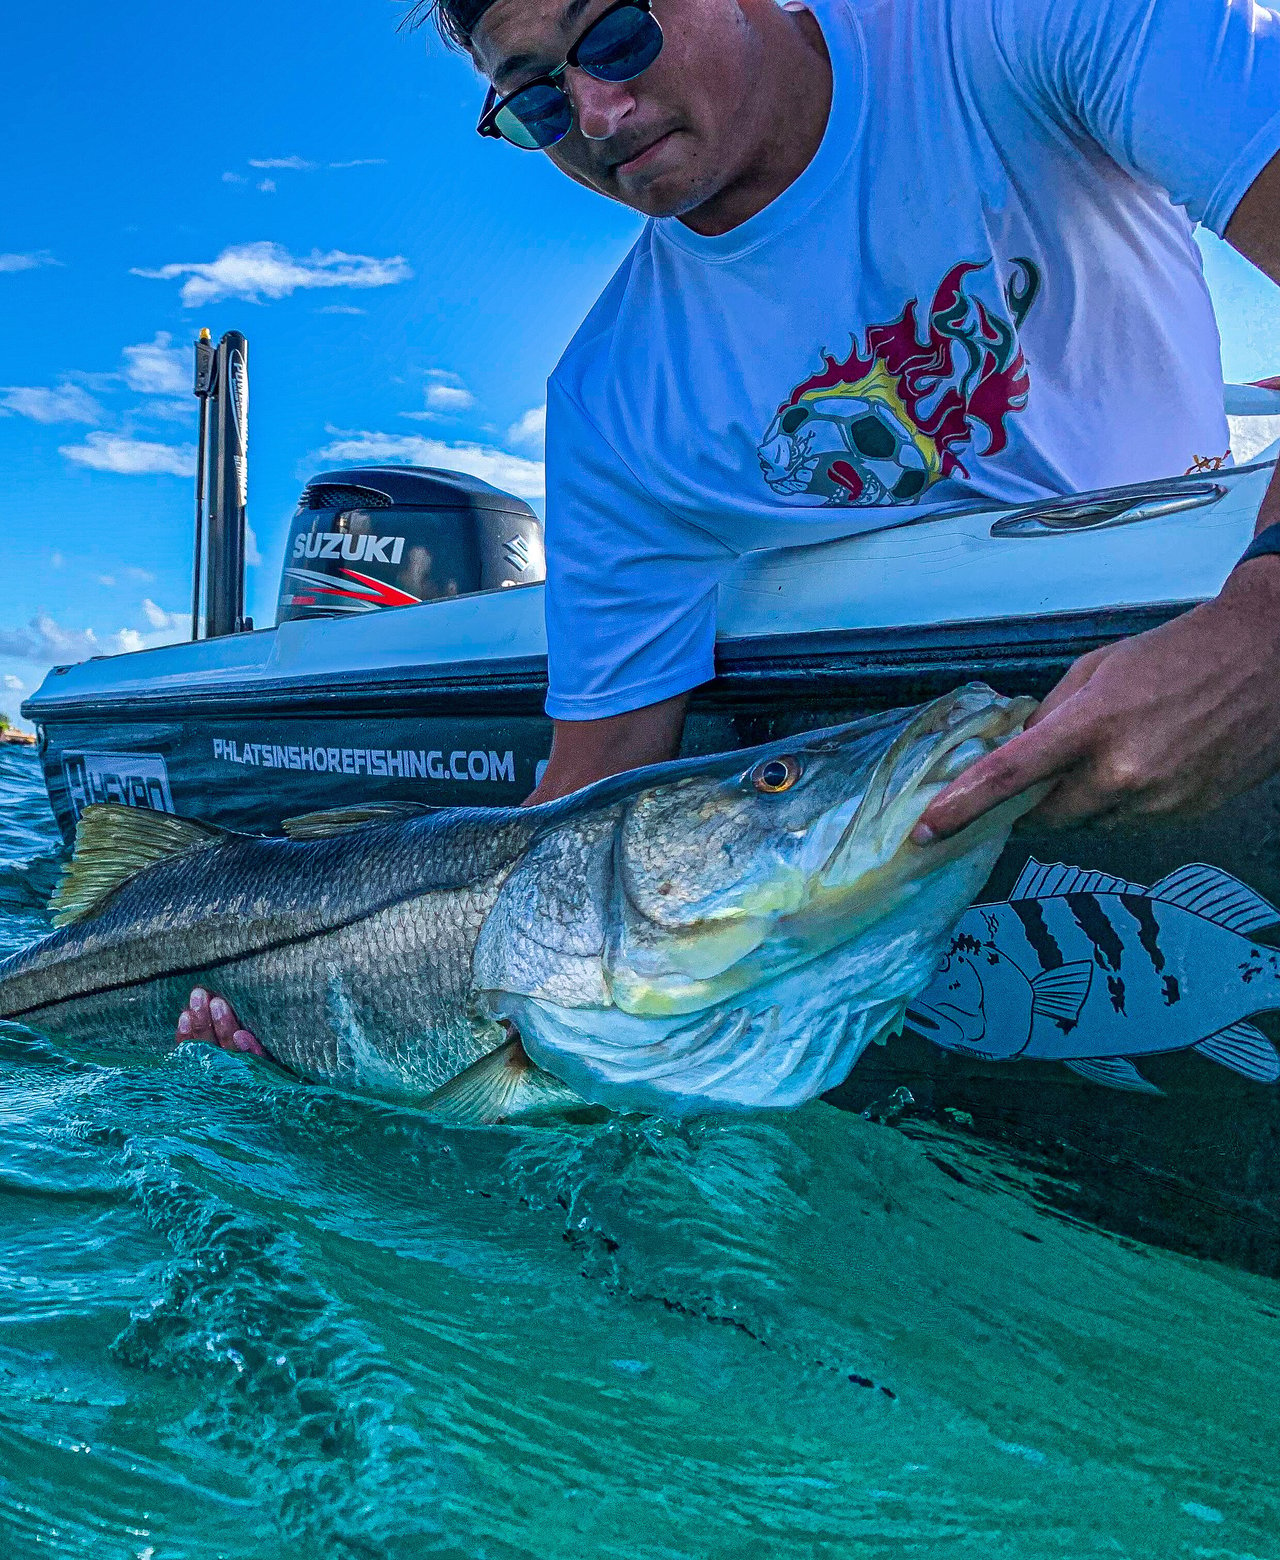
x=240, y=1317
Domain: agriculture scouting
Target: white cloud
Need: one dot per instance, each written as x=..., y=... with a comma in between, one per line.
x=449, y=398
x=267, y=186
x=168, y=411
x=158, y=367
x=132, y=457
x=1251, y=435
x=252, y=556
x=234, y=178
x=31, y=262
x=341, y=308
x=159, y=618
x=44, y=640
x=109, y=580
x=13, y=684
x=362, y=162
x=531, y=429
x=504, y=470
x=295, y=164
x=56, y=560
x=143, y=576
x=266, y=270
x=68, y=403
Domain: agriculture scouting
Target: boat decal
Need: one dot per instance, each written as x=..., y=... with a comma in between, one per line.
x=471, y=765
x=356, y=591
x=367, y=547
x=1094, y=971
x=131, y=779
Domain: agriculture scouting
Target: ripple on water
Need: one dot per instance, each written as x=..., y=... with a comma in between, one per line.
x=242, y=1317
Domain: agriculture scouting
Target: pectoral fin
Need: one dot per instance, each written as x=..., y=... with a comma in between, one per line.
x=502, y=1086
x=1061, y=993
x=1113, y=1072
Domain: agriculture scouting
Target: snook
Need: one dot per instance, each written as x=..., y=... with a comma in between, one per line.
x=712, y=934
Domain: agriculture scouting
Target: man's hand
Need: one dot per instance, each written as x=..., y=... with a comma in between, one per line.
x=1176, y=720
x=214, y=1019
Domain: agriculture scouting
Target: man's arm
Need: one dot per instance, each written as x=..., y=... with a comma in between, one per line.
x=1176, y=720
x=587, y=750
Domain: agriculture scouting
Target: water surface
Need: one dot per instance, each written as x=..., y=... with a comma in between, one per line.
x=241, y=1317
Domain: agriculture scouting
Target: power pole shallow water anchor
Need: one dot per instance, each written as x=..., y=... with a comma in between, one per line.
x=222, y=386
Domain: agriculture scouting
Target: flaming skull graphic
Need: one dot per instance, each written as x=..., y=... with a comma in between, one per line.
x=885, y=424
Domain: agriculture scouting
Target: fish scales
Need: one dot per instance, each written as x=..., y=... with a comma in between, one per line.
x=717, y=933
x=262, y=893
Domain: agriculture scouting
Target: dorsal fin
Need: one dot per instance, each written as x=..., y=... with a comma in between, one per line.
x=114, y=842
x=1038, y=881
x=338, y=820
x=1217, y=896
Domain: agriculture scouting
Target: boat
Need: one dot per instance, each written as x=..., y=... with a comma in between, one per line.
x=408, y=662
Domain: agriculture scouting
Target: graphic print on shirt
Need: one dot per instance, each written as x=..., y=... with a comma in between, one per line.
x=886, y=423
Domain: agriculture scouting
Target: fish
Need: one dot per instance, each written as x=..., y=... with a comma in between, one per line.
x=1092, y=970
x=711, y=934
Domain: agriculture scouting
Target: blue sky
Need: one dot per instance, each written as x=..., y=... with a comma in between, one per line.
x=311, y=177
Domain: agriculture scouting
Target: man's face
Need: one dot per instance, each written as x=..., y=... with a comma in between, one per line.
x=668, y=141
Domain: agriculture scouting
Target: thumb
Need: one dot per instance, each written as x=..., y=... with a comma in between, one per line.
x=1040, y=753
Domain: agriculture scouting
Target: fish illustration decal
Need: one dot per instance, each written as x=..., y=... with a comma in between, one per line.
x=1092, y=971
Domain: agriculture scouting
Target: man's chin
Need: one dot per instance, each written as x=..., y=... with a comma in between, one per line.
x=669, y=193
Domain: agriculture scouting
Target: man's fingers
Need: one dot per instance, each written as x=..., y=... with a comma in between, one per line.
x=243, y=1040
x=1039, y=753
x=1078, y=673
x=225, y=1022
x=195, y=1023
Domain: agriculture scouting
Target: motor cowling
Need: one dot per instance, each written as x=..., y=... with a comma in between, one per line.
x=370, y=537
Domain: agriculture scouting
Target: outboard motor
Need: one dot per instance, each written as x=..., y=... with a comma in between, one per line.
x=394, y=536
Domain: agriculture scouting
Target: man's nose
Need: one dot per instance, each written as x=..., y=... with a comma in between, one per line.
x=601, y=106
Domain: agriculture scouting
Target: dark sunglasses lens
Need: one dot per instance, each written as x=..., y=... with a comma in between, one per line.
x=621, y=45
x=539, y=116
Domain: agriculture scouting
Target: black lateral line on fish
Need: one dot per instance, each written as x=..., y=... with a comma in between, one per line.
x=1143, y=912
x=1091, y=918
x=1043, y=943
x=193, y=971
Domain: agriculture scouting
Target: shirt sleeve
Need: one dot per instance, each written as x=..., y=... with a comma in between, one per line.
x=631, y=587
x=1184, y=94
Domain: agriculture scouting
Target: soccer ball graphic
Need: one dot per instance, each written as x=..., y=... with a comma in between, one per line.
x=846, y=449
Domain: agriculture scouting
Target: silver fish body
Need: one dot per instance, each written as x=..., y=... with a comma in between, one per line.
x=711, y=934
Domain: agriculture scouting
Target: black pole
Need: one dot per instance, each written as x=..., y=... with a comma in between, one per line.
x=228, y=483
x=205, y=364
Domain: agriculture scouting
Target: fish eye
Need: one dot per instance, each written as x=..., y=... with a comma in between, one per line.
x=775, y=774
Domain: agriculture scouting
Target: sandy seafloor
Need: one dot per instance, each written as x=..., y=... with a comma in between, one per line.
x=245, y=1317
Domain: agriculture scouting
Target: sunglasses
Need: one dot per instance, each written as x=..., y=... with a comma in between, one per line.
x=621, y=43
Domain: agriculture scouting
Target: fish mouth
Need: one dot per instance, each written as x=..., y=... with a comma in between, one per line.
x=942, y=740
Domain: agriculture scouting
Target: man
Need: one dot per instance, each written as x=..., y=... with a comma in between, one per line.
x=901, y=252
